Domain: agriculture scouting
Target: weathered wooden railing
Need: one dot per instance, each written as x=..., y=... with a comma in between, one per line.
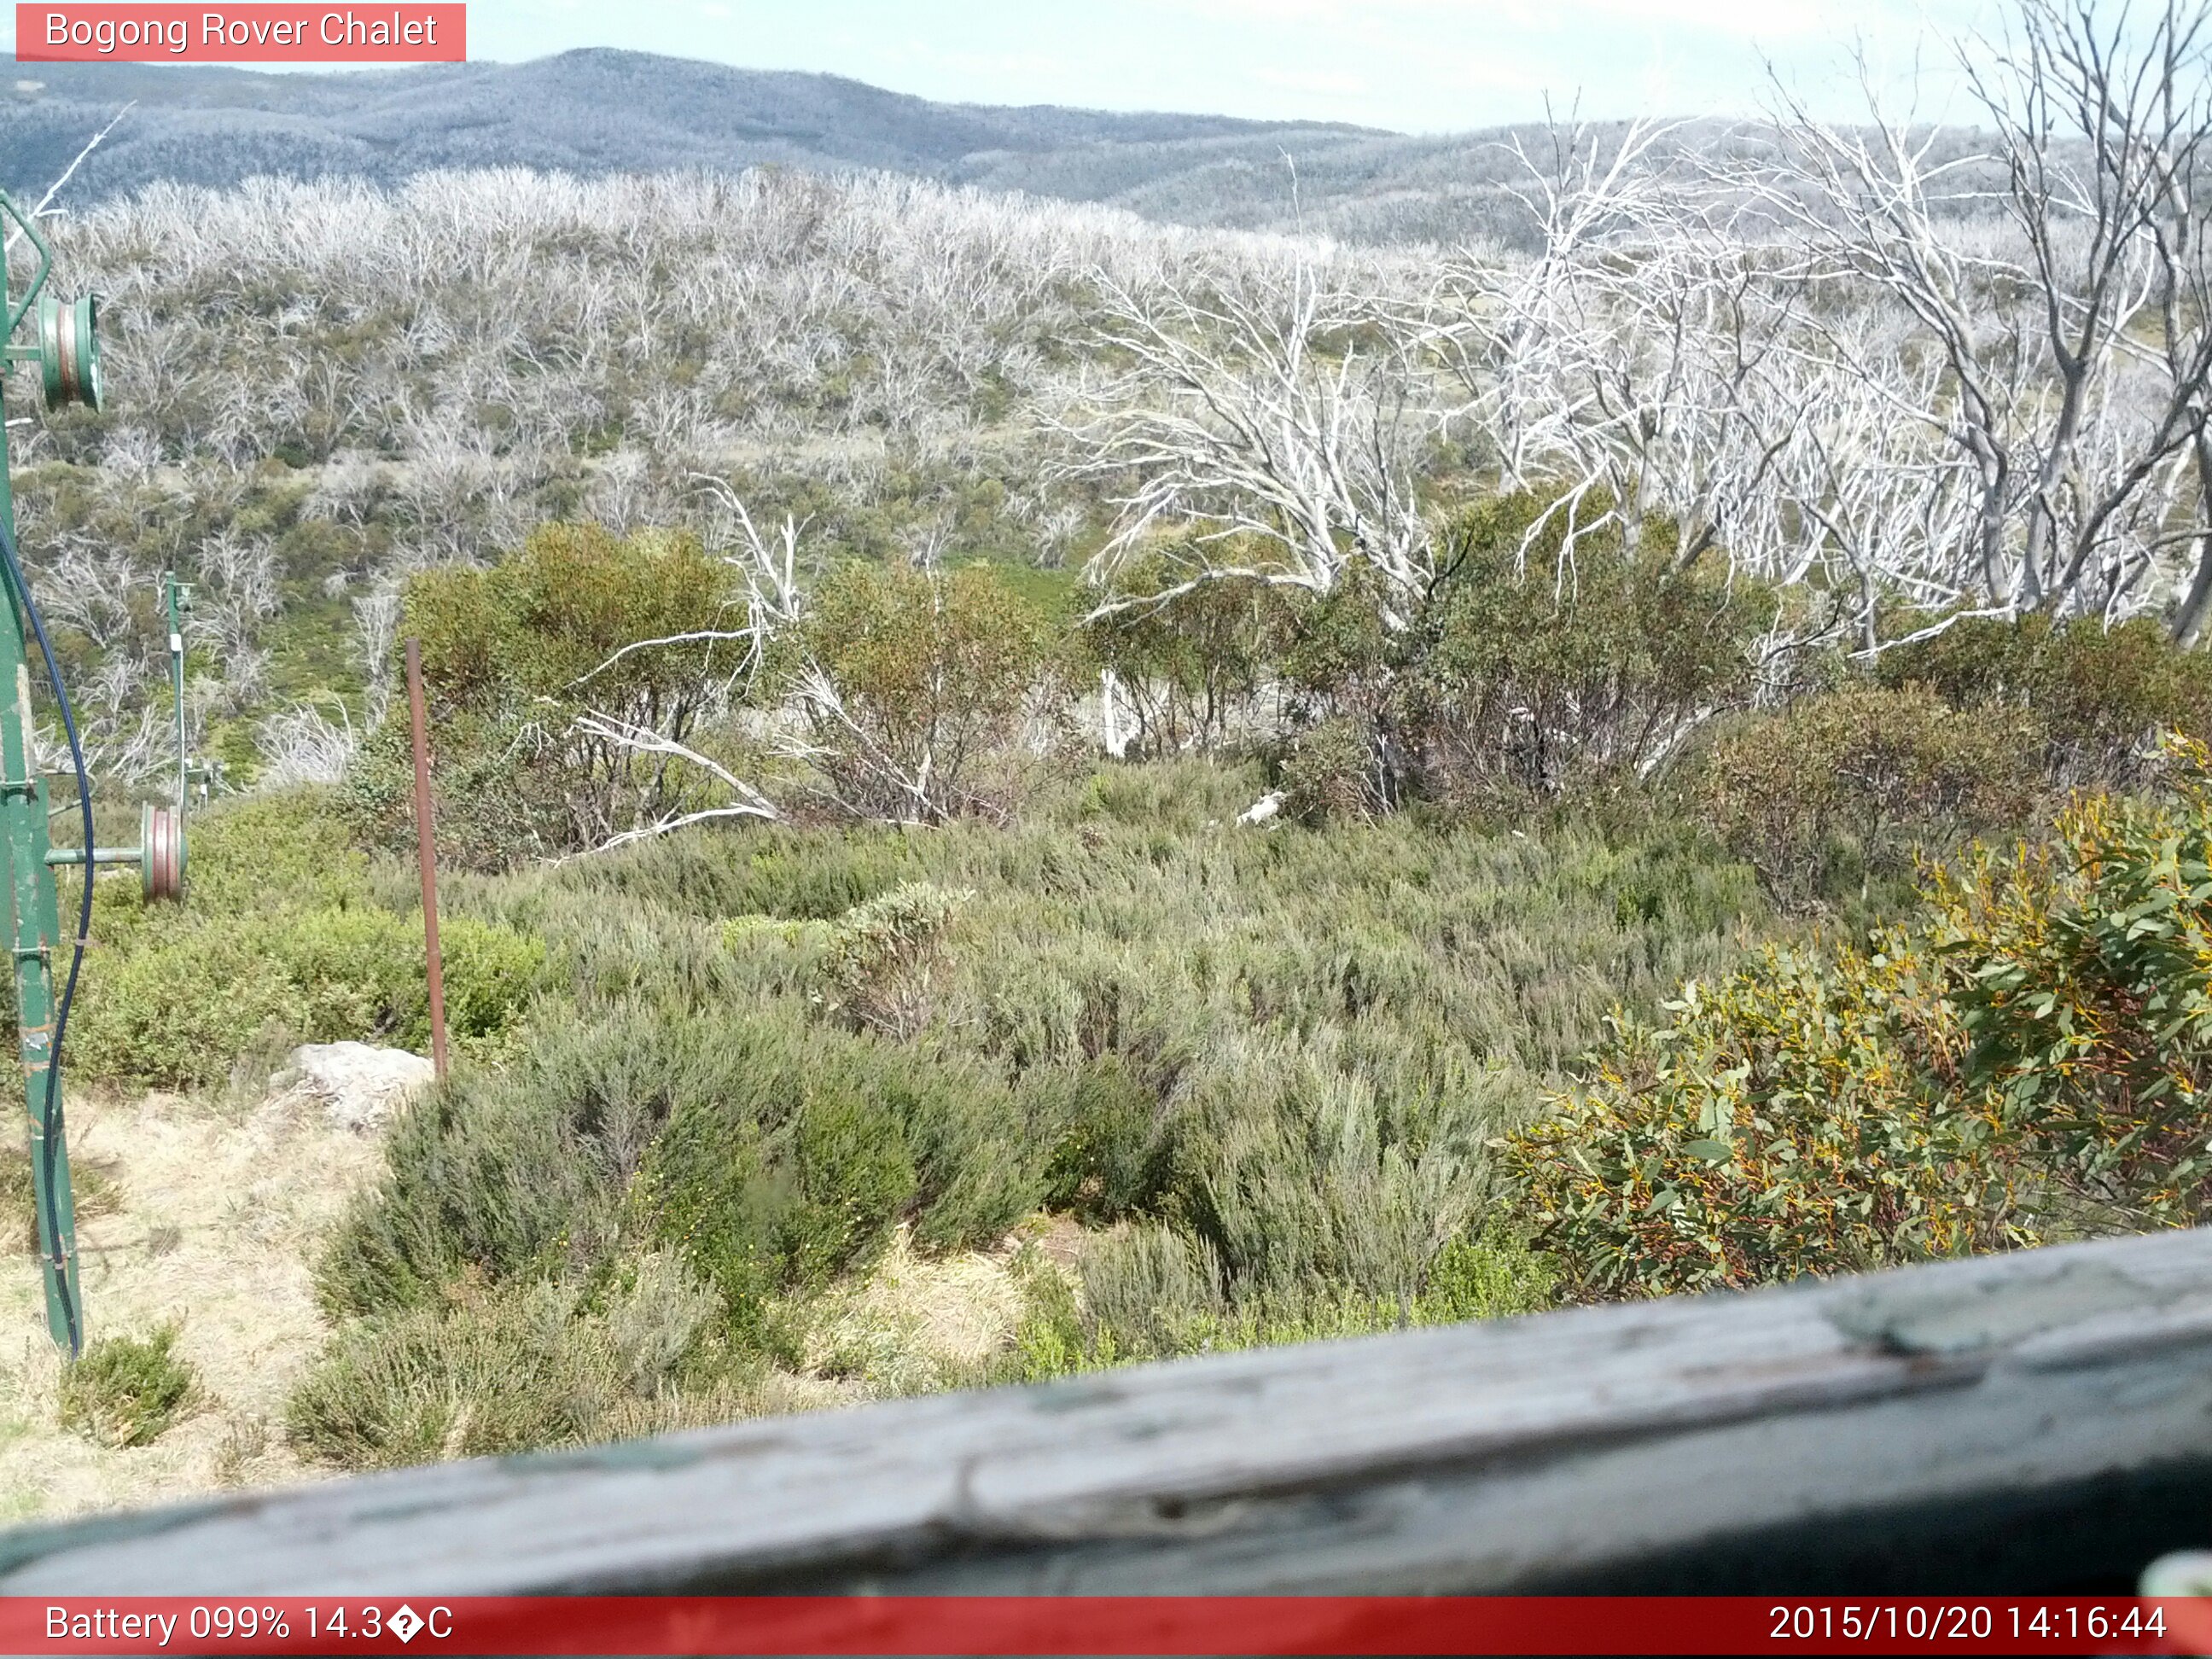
x=2035, y=1422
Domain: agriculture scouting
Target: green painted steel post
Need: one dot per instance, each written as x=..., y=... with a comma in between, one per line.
x=35, y=927
x=172, y=597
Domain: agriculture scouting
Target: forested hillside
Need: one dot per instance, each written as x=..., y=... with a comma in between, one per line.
x=1023, y=788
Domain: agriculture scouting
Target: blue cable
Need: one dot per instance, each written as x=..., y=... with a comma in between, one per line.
x=51, y=1118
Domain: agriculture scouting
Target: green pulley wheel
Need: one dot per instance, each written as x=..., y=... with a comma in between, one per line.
x=68, y=350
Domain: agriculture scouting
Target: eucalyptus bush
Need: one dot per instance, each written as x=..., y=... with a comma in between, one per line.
x=919, y=689
x=2026, y=1057
x=1866, y=777
x=2091, y=699
x=1540, y=668
x=535, y=668
x=1191, y=670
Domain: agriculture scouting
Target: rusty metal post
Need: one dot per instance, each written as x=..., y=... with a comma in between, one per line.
x=427, y=852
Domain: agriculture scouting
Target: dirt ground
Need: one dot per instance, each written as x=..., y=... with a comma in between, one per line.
x=220, y=1212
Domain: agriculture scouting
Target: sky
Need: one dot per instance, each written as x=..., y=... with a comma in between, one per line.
x=1409, y=65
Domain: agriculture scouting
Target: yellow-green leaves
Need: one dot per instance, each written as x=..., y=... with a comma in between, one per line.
x=2030, y=1055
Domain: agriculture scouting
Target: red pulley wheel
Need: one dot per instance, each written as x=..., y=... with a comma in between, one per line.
x=162, y=854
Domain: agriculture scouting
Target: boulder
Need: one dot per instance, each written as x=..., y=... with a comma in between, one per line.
x=358, y=1084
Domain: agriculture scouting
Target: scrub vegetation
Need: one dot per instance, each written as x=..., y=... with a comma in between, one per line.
x=1023, y=790
x=1142, y=1078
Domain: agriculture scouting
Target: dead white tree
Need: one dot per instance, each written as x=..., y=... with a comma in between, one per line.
x=1579, y=365
x=746, y=802
x=302, y=745
x=2045, y=322
x=767, y=570
x=1873, y=501
x=1284, y=427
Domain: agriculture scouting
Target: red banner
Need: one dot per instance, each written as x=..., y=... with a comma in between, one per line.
x=367, y=34
x=1134, y=1625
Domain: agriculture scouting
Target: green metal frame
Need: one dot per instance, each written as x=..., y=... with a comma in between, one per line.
x=34, y=924
x=12, y=214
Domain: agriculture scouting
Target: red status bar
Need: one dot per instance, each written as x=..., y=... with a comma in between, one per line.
x=1134, y=1625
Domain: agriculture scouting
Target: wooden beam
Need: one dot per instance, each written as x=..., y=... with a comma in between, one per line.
x=1951, y=1427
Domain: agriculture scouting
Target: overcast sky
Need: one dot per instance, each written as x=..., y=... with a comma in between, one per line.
x=1414, y=65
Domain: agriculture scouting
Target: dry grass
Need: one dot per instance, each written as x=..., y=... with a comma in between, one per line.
x=219, y=1213
x=918, y=1323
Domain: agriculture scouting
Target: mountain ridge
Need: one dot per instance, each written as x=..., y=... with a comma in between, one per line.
x=597, y=110
x=671, y=104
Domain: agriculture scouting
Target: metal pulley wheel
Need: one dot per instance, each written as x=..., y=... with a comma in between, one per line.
x=68, y=350
x=161, y=853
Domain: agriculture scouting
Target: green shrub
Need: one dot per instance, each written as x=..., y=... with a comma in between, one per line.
x=789, y=874
x=559, y=609
x=884, y=964
x=1488, y=1277
x=1328, y=774
x=1151, y=1292
x=2082, y=975
x=918, y=687
x=2092, y=698
x=755, y=1218
x=512, y=655
x=193, y=993
x=1864, y=777
x=1191, y=669
x=127, y=1390
x=796, y=1168
x=289, y=848
x=180, y=1004
x=770, y=1151
x=1531, y=672
x=1115, y=1154
x=1315, y=1178
x=498, y=795
x=520, y=1174
x=280, y=940
x=507, y=1373
x=2028, y=1057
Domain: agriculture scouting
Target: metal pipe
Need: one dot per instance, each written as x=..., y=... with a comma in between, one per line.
x=73, y=856
x=426, y=853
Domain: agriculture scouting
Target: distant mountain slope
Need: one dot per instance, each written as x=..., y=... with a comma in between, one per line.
x=597, y=112
x=588, y=111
